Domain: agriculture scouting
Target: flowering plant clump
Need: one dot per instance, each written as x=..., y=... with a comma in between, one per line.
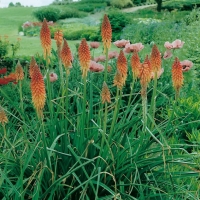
x=90, y=124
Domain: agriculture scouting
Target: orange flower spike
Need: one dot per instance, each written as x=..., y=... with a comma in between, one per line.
x=38, y=90
x=146, y=60
x=19, y=72
x=155, y=59
x=135, y=64
x=84, y=57
x=58, y=36
x=66, y=55
x=122, y=65
x=105, y=94
x=106, y=32
x=3, y=117
x=45, y=38
x=145, y=74
x=32, y=65
x=177, y=74
x=118, y=80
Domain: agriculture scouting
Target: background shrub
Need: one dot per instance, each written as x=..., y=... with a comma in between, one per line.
x=118, y=21
x=50, y=13
x=121, y=3
x=77, y=31
x=151, y=30
x=4, y=44
x=71, y=13
x=181, y=5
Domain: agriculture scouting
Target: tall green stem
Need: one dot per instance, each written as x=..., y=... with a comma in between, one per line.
x=61, y=74
x=131, y=93
x=82, y=124
x=104, y=127
x=44, y=143
x=66, y=94
x=66, y=142
x=153, y=99
x=106, y=66
x=144, y=107
x=118, y=98
x=21, y=97
x=91, y=98
x=177, y=93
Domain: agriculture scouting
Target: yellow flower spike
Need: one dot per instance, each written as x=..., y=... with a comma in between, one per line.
x=105, y=94
x=84, y=57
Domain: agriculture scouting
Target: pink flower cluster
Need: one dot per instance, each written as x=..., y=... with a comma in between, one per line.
x=177, y=44
x=28, y=24
x=111, y=55
x=186, y=64
x=128, y=47
x=96, y=67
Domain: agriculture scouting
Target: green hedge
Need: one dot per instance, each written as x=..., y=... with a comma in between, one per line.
x=50, y=13
x=77, y=32
x=181, y=5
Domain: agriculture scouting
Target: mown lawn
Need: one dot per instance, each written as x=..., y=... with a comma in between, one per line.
x=11, y=21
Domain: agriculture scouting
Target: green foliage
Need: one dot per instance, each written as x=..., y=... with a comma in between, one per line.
x=71, y=13
x=192, y=17
x=150, y=30
x=136, y=2
x=4, y=45
x=181, y=5
x=50, y=13
x=77, y=32
x=121, y=3
x=32, y=31
x=118, y=21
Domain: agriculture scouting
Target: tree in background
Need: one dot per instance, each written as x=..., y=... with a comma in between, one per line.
x=18, y=4
x=11, y=4
x=159, y=5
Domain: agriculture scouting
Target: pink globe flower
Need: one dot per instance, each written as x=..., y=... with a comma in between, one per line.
x=113, y=54
x=101, y=58
x=186, y=64
x=133, y=47
x=94, y=45
x=167, y=54
x=53, y=77
x=121, y=43
x=177, y=44
x=168, y=45
x=96, y=67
